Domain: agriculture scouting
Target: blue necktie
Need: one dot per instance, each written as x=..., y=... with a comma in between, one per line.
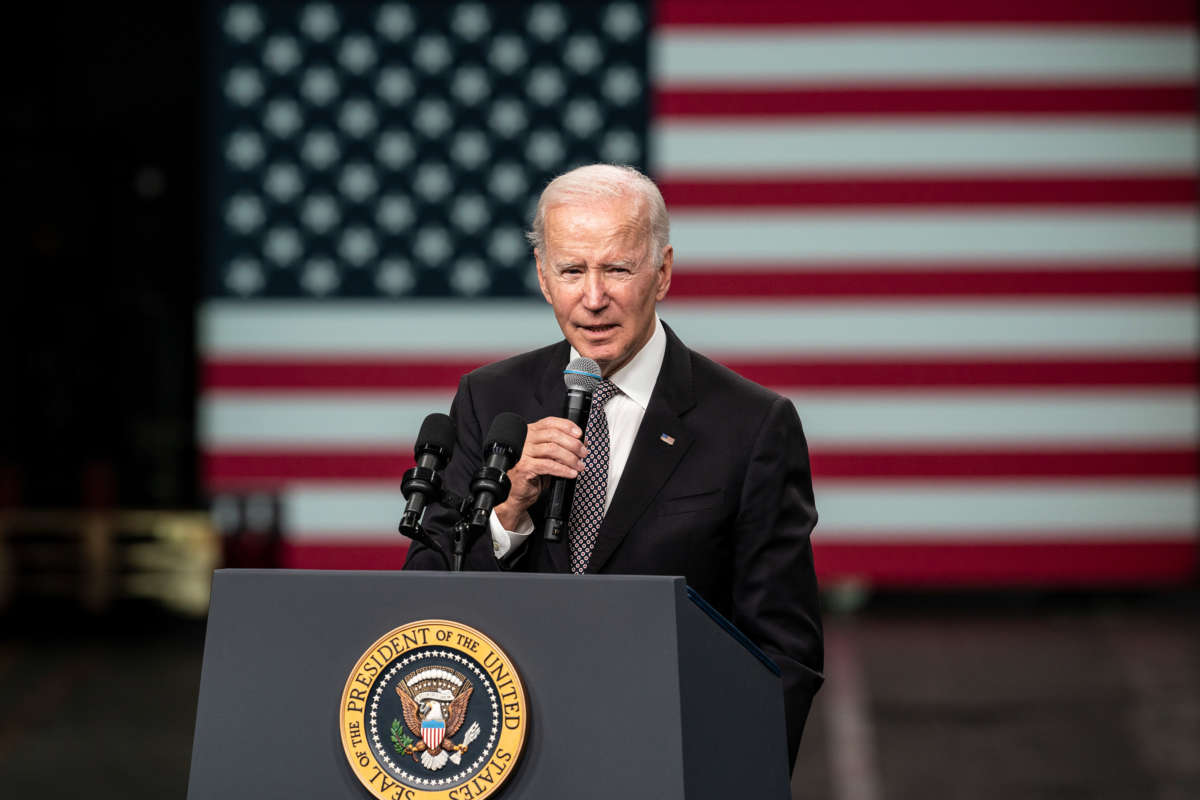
x=587, y=509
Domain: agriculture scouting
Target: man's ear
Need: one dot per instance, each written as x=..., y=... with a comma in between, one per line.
x=664, y=273
x=541, y=275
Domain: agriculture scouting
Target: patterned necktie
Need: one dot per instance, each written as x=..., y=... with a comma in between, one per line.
x=587, y=509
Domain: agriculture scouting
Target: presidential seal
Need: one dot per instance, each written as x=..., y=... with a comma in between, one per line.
x=434, y=710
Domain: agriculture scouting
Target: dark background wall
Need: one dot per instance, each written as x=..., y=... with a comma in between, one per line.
x=102, y=121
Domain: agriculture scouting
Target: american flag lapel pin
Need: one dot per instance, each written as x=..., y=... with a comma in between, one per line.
x=668, y=439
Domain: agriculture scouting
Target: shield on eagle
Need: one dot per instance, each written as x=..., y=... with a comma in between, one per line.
x=432, y=733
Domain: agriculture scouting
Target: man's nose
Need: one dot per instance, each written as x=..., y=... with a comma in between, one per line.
x=595, y=292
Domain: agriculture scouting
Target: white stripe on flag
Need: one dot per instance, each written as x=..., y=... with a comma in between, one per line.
x=375, y=327
x=1089, y=510
x=773, y=147
x=383, y=421
x=717, y=329
x=682, y=57
x=1085, y=510
x=389, y=421
x=774, y=235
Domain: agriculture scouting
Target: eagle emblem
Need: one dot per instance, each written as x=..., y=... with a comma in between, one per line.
x=435, y=704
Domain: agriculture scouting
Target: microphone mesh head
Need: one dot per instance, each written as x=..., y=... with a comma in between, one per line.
x=582, y=374
x=507, y=429
x=437, y=430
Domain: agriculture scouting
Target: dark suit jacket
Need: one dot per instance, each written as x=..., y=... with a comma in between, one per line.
x=729, y=505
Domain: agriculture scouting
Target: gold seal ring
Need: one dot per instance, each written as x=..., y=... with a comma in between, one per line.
x=433, y=710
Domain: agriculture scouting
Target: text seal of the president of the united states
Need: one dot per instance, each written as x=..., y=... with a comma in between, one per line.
x=433, y=710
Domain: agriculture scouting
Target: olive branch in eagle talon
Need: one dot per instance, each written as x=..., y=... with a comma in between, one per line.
x=400, y=739
x=414, y=713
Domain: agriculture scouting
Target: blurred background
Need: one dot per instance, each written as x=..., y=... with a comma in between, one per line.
x=255, y=243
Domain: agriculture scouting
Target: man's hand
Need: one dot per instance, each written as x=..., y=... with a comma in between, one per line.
x=553, y=448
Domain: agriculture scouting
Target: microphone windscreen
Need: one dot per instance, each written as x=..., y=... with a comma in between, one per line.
x=437, y=431
x=507, y=429
x=582, y=374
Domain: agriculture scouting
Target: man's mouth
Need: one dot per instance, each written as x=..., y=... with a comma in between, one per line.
x=598, y=328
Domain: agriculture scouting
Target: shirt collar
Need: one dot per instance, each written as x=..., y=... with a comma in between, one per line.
x=637, y=378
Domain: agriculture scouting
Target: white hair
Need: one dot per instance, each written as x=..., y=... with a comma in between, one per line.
x=598, y=183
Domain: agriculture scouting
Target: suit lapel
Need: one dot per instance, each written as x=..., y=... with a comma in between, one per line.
x=652, y=459
x=551, y=394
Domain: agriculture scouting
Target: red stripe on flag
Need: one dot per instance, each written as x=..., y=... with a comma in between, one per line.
x=968, y=374
x=804, y=281
x=1021, y=463
x=229, y=469
x=911, y=191
x=1047, y=371
x=345, y=373
x=966, y=561
x=709, y=102
x=343, y=554
x=969, y=561
x=756, y=13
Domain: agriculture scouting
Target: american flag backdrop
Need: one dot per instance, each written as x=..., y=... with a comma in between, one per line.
x=962, y=237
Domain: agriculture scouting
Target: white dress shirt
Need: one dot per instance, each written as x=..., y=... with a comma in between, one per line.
x=624, y=412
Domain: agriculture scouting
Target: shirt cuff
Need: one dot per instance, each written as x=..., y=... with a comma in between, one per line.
x=506, y=542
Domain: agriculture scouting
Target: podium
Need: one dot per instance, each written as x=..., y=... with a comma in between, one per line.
x=634, y=687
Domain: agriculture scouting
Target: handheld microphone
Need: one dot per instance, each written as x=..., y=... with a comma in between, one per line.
x=581, y=376
x=502, y=448
x=423, y=483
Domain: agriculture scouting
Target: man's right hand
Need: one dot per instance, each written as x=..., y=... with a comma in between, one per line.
x=553, y=448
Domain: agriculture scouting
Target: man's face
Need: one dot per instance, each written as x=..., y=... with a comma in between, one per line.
x=598, y=272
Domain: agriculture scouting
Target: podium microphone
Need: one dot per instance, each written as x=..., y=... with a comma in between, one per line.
x=423, y=483
x=581, y=376
x=490, y=486
x=502, y=449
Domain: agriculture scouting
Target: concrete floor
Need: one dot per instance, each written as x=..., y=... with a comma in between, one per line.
x=1008, y=697
x=944, y=697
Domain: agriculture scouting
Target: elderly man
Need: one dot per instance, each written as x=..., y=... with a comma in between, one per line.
x=693, y=470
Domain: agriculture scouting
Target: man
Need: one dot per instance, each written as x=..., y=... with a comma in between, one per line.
x=687, y=469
